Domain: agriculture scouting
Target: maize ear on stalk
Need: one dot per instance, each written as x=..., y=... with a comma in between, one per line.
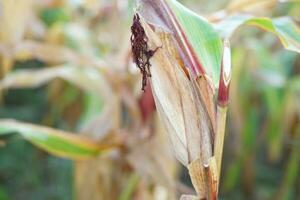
x=184, y=88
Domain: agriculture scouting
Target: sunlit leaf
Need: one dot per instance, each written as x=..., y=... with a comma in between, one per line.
x=284, y=28
x=56, y=142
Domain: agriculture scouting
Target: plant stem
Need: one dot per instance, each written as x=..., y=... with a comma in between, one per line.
x=219, y=140
x=128, y=190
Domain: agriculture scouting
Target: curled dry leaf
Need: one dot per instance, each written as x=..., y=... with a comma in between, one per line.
x=178, y=103
x=89, y=80
x=50, y=53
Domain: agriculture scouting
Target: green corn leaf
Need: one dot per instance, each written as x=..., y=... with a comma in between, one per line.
x=56, y=142
x=284, y=28
x=203, y=37
x=198, y=42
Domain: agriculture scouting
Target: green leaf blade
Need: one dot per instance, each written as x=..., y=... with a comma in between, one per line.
x=203, y=38
x=56, y=142
x=284, y=28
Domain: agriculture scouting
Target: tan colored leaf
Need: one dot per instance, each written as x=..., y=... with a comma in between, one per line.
x=88, y=79
x=198, y=177
x=14, y=15
x=50, y=53
x=178, y=104
x=153, y=159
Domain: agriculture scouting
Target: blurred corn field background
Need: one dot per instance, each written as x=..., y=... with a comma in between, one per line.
x=67, y=64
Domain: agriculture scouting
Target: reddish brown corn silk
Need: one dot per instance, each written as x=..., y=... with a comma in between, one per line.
x=140, y=50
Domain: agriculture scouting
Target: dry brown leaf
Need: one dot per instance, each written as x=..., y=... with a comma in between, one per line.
x=178, y=104
x=88, y=79
x=253, y=6
x=154, y=162
x=14, y=16
x=50, y=53
x=99, y=179
x=198, y=177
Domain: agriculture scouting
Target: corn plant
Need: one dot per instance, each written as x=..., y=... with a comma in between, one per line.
x=190, y=65
x=186, y=67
